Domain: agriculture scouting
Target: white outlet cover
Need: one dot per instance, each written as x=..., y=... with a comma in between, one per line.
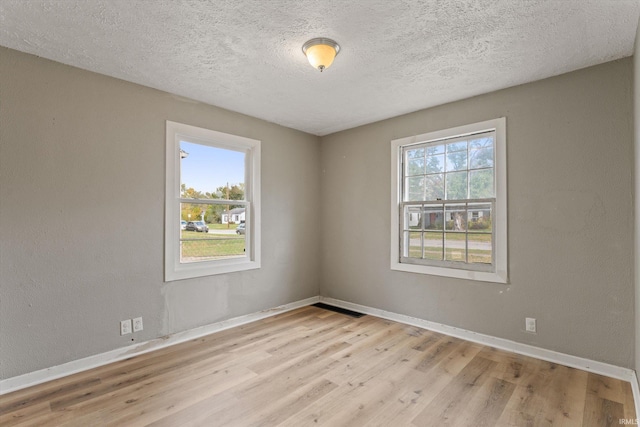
x=125, y=327
x=530, y=324
x=137, y=324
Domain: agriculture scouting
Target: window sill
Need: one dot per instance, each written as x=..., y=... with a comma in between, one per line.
x=482, y=276
x=201, y=269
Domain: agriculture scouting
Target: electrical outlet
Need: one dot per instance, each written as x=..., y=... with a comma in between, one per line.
x=125, y=327
x=530, y=324
x=137, y=324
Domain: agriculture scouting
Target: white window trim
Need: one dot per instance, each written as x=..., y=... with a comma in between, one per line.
x=500, y=275
x=174, y=270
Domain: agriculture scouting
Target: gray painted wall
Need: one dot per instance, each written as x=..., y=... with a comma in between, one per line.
x=82, y=216
x=570, y=175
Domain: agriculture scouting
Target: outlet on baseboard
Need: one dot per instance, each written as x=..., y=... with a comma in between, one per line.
x=137, y=324
x=125, y=327
x=530, y=324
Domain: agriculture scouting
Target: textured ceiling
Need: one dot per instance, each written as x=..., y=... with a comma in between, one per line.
x=397, y=56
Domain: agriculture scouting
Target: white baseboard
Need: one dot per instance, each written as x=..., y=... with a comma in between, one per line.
x=38, y=377
x=606, y=369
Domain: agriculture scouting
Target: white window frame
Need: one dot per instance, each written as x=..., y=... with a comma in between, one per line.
x=174, y=270
x=499, y=270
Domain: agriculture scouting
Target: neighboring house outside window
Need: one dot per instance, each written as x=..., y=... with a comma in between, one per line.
x=212, y=179
x=234, y=216
x=449, y=201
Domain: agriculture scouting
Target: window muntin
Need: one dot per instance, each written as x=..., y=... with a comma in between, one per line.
x=210, y=175
x=449, y=202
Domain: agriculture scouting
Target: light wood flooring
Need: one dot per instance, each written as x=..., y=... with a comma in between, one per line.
x=311, y=367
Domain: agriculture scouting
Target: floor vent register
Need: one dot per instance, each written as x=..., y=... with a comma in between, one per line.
x=338, y=310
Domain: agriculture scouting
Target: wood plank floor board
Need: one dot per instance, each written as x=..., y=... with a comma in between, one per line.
x=256, y=395
x=486, y=406
x=444, y=409
x=437, y=352
x=202, y=413
x=376, y=354
x=463, y=353
x=163, y=393
x=602, y=412
x=290, y=404
x=26, y=413
x=275, y=363
x=52, y=390
x=526, y=406
x=607, y=388
x=360, y=405
x=512, y=367
x=312, y=366
x=386, y=385
x=415, y=391
x=302, y=341
x=428, y=339
x=374, y=388
x=419, y=388
x=564, y=404
x=154, y=376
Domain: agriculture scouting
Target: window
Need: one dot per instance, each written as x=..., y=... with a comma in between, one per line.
x=449, y=202
x=212, y=186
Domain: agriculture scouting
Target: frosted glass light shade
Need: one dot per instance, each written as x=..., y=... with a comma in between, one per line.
x=321, y=52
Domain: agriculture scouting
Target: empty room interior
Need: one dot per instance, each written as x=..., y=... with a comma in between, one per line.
x=289, y=213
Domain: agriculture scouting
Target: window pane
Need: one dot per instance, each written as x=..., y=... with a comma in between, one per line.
x=479, y=215
x=206, y=171
x=481, y=158
x=457, y=161
x=480, y=248
x=456, y=217
x=434, y=187
x=435, y=149
x=457, y=146
x=456, y=185
x=433, y=246
x=415, y=153
x=413, y=217
x=412, y=244
x=481, y=142
x=203, y=236
x=455, y=245
x=414, y=189
x=433, y=217
x=435, y=164
x=481, y=184
x=415, y=167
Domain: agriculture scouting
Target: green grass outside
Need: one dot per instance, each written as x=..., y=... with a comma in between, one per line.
x=208, y=246
x=222, y=226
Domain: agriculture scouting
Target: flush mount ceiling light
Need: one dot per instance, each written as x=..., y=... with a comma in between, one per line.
x=320, y=52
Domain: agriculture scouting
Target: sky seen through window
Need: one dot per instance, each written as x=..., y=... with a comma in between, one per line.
x=207, y=168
